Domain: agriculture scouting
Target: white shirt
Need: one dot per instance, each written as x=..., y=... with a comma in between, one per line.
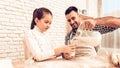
x=39, y=44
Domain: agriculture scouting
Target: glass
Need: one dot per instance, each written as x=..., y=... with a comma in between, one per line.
x=73, y=42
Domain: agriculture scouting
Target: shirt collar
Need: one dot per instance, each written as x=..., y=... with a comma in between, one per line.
x=39, y=31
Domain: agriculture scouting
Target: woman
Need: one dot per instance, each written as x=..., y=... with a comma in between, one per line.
x=38, y=43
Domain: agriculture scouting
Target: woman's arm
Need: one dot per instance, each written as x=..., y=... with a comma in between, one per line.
x=41, y=52
x=36, y=50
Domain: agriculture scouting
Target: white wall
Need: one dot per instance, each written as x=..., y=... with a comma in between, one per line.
x=92, y=8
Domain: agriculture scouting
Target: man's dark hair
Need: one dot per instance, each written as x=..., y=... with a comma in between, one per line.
x=71, y=8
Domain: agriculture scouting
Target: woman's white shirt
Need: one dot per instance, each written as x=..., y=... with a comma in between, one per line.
x=39, y=44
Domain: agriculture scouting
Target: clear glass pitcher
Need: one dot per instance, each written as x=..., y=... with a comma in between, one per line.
x=86, y=41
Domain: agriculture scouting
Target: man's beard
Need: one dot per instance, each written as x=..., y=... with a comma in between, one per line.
x=74, y=30
x=75, y=27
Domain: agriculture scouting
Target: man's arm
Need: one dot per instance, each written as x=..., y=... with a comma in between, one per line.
x=108, y=21
x=103, y=24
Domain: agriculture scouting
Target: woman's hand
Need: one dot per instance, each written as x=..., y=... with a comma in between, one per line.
x=69, y=48
x=69, y=51
x=64, y=49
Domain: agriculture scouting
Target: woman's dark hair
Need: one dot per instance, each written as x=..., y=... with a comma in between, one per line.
x=71, y=8
x=39, y=13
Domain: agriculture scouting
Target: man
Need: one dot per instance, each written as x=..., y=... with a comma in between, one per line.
x=103, y=24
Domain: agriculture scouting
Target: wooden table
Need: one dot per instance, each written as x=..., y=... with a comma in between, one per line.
x=79, y=62
x=102, y=60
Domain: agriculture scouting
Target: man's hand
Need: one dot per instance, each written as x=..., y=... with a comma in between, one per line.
x=115, y=59
x=88, y=24
x=66, y=56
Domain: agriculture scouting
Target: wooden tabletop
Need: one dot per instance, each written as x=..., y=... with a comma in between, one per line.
x=80, y=62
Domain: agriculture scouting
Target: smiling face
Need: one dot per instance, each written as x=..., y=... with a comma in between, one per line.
x=44, y=23
x=73, y=19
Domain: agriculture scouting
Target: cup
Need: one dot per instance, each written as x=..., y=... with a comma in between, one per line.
x=73, y=42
